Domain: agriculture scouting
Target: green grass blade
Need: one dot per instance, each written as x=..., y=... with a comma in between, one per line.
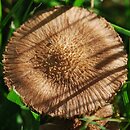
x=36, y=116
x=115, y=120
x=125, y=98
x=27, y=11
x=35, y=8
x=78, y=2
x=15, y=8
x=121, y=30
x=126, y=127
x=15, y=98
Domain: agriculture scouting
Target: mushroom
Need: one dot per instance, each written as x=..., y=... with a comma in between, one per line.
x=65, y=61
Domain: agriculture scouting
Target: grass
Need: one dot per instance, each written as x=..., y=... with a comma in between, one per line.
x=14, y=115
x=121, y=30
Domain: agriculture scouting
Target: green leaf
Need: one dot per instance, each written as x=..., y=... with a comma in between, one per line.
x=54, y=3
x=14, y=97
x=36, y=116
x=31, y=119
x=78, y=2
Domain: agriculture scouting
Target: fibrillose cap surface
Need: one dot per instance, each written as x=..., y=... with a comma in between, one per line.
x=65, y=61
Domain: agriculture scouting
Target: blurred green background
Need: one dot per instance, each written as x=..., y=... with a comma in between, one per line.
x=13, y=114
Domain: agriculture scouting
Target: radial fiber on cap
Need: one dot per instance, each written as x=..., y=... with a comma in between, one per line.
x=65, y=62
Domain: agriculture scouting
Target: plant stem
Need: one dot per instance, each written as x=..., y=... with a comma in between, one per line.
x=121, y=30
x=92, y=4
x=27, y=12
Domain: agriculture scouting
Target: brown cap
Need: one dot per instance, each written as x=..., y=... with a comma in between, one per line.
x=65, y=62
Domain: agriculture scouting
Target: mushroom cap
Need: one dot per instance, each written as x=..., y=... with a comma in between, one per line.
x=65, y=61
